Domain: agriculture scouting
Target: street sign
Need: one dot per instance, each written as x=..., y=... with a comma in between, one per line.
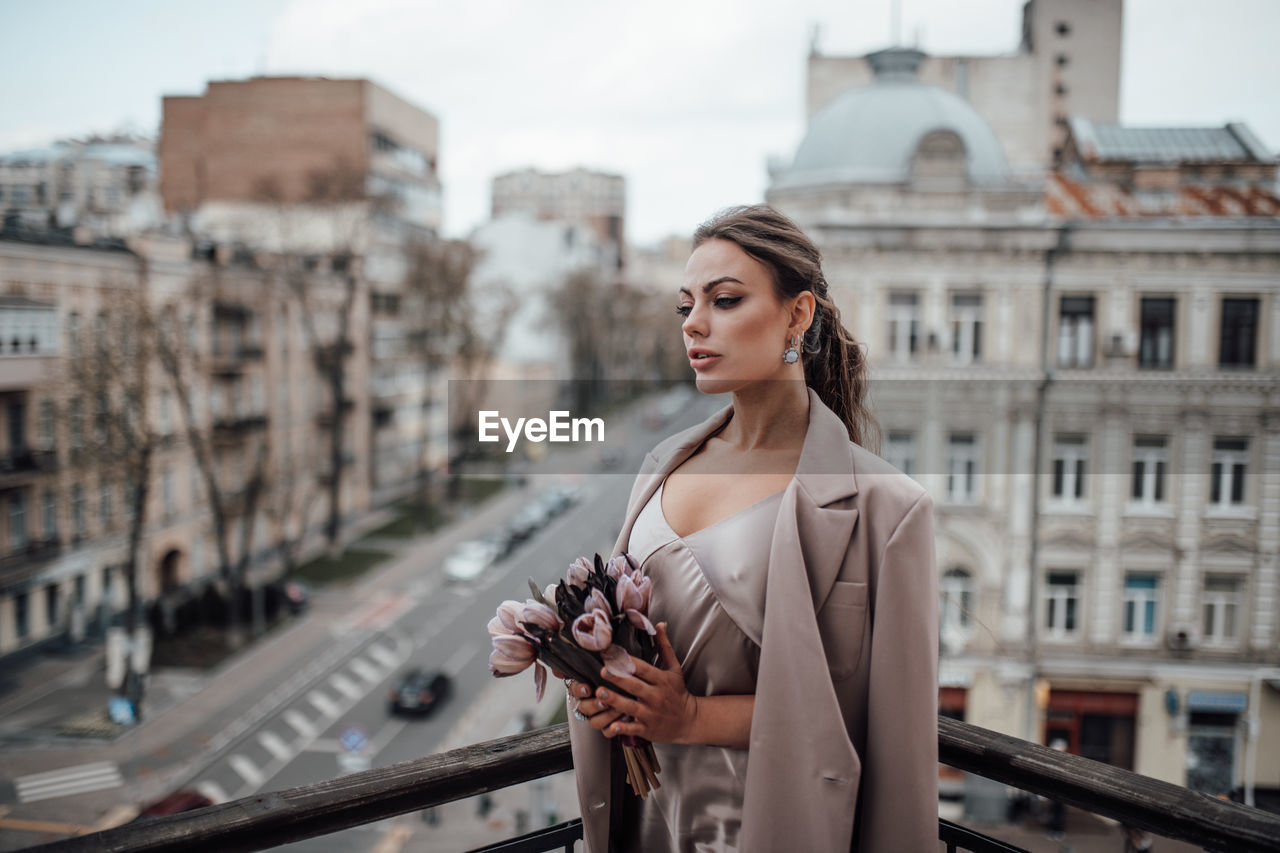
x=353, y=739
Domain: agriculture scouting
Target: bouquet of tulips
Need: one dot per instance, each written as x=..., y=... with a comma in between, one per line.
x=596, y=617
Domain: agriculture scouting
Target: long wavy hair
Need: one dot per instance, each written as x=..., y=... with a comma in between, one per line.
x=835, y=365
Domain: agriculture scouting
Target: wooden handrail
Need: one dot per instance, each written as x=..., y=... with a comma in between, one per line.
x=267, y=820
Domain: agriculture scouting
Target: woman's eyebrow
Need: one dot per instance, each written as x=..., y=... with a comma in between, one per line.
x=706, y=288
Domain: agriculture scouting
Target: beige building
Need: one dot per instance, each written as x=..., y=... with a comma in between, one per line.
x=272, y=164
x=252, y=380
x=95, y=187
x=1067, y=64
x=594, y=200
x=1083, y=368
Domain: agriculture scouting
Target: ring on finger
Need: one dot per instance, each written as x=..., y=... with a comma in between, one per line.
x=579, y=716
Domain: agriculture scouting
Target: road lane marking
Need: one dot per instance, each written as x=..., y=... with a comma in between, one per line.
x=393, y=839
x=296, y=719
x=246, y=768
x=82, y=779
x=212, y=790
x=274, y=745
x=325, y=745
x=323, y=703
x=345, y=686
x=366, y=670
x=385, y=656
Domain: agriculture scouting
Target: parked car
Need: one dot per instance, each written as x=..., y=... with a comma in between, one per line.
x=470, y=559
x=182, y=800
x=419, y=692
x=502, y=540
x=529, y=519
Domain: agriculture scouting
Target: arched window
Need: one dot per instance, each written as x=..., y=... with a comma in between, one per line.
x=940, y=161
x=956, y=592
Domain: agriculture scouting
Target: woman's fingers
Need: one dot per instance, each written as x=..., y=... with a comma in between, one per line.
x=603, y=720
x=669, y=660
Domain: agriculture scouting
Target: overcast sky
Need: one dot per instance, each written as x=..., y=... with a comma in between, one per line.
x=686, y=99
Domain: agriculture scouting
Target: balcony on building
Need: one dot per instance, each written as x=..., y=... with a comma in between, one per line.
x=28, y=343
x=236, y=342
x=234, y=429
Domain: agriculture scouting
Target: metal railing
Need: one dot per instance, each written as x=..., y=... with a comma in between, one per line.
x=266, y=820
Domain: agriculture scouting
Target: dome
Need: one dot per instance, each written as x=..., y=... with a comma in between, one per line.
x=871, y=134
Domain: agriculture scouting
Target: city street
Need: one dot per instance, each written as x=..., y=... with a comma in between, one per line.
x=311, y=703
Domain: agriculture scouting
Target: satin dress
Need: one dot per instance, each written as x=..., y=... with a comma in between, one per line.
x=709, y=587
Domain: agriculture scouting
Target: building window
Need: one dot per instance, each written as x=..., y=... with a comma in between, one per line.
x=1063, y=29
x=166, y=414
x=1226, y=476
x=77, y=423
x=962, y=467
x=104, y=503
x=966, y=327
x=166, y=491
x=1070, y=455
x=50, y=516
x=1238, y=336
x=18, y=522
x=47, y=438
x=1155, y=348
x=1062, y=604
x=52, y=605
x=1075, y=331
x=900, y=451
x=77, y=601
x=22, y=615
x=108, y=599
x=1141, y=607
x=17, y=427
x=1211, y=752
x=904, y=325
x=1221, y=605
x=79, y=517
x=1150, y=459
x=73, y=334
x=956, y=592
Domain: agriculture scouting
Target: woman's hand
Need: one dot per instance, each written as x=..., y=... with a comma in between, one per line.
x=663, y=711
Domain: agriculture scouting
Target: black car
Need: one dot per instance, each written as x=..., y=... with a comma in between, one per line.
x=419, y=692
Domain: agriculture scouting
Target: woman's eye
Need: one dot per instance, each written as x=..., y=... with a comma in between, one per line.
x=728, y=301
x=683, y=310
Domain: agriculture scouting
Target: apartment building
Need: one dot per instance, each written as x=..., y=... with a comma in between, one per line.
x=1082, y=367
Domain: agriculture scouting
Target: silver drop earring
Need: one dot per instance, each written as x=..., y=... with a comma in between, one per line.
x=791, y=354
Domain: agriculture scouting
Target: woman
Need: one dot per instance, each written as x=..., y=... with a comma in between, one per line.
x=810, y=724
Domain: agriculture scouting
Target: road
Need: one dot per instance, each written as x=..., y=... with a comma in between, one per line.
x=327, y=715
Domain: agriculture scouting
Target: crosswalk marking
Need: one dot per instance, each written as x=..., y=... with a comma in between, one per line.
x=81, y=779
x=385, y=656
x=323, y=703
x=299, y=722
x=274, y=745
x=345, y=686
x=366, y=670
x=246, y=768
x=212, y=790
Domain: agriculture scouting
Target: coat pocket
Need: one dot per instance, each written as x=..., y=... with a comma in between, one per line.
x=842, y=623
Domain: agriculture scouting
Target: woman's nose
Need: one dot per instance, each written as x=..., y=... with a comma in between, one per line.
x=694, y=323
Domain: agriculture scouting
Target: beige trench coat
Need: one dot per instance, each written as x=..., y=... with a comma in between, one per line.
x=844, y=734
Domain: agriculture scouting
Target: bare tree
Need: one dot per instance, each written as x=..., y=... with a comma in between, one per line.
x=330, y=229
x=112, y=376
x=244, y=432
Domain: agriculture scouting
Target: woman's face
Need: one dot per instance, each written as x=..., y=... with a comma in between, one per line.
x=735, y=328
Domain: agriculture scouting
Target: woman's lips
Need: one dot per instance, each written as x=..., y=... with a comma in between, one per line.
x=704, y=362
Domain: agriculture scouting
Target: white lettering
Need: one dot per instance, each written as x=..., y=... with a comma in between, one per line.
x=587, y=424
x=535, y=430
x=512, y=434
x=558, y=425
x=486, y=425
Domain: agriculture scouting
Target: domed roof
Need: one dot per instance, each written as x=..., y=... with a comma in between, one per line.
x=870, y=134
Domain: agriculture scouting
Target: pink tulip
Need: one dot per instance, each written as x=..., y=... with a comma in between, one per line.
x=539, y=681
x=509, y=613
x=499, y=629
x=616, y=567
x=593, y=631
x=579, y=572
x=644, y=585
x=550, y=593
x=597, y=601
x=628, y=595
x=537, y=613
x=511, y=655
x=639, y=620
x=617, y=662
